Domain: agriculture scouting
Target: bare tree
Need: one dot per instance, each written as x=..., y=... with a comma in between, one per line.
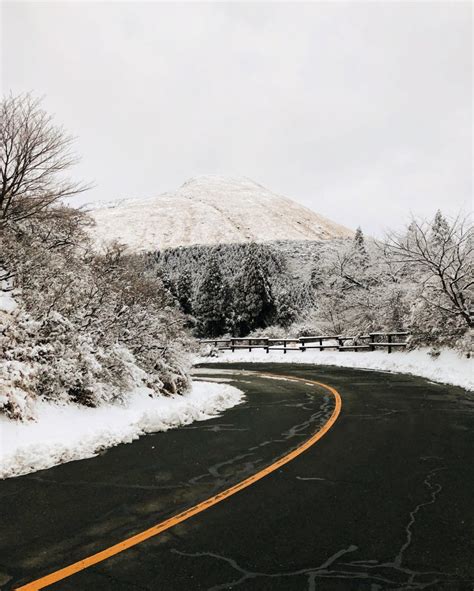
x=34, y=155
x=441, y=255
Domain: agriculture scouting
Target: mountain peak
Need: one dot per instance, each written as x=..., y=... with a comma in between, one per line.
x=213, y=182
x=211, y=209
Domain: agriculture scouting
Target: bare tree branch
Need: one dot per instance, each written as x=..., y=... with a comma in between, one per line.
x=35, y=154
x=442, y=256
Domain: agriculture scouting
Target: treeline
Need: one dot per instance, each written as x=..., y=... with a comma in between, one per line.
x=235, y=288
x=75, y=325
x=420, y=279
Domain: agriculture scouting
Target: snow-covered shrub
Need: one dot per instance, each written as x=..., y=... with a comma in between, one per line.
x=86, y=327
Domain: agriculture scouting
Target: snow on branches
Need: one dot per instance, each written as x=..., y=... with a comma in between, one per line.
x=75, y=325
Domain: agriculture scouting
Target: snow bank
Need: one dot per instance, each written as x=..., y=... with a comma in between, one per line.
x=448, y=367
x=63, y=433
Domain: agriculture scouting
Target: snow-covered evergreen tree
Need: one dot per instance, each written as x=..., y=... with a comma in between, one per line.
x=359, y=246
x=252, y=299
x=210, y=300
x=440, y=230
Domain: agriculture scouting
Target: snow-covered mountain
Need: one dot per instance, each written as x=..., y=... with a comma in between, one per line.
x=210, y=210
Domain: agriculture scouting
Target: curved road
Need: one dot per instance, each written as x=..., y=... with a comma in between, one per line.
x=384, y=500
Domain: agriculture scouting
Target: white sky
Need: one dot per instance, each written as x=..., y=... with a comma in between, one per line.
x=361, y=111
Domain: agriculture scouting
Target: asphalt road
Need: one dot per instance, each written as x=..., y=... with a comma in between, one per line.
x=383, y=501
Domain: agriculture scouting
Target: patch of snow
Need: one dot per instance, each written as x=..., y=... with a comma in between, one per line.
x=7, y=302
x=210, y=209
x=62, y=433
x=449, y=367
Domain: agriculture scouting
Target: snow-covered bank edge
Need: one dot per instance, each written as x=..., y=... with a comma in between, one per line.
x=449, y=367
x=71, y=432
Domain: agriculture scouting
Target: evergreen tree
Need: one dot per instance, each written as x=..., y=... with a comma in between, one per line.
x=253, y=302
x=183, y=291
x=359, y=245
x=287, y=308
x=440, y=229
x=208, y=302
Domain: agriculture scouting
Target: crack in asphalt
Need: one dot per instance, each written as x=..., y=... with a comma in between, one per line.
x=434, y=491
x=312, y=573
x=249, y=574
x=397, y=562
x=360, y=569
x=323, y=571
x=297, y=431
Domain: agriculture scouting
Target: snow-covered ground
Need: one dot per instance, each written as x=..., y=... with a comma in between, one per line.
x=70, y=432
x=449, y=367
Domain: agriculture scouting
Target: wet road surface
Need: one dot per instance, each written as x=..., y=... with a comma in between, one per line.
x=383, y=501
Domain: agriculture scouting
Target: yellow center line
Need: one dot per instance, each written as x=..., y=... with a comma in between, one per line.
x=76, y=567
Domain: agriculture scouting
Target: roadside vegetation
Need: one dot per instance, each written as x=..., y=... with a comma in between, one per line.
x=75, y=325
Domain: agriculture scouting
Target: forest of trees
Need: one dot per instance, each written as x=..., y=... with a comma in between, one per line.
x=224, y=288
x=420, y=279
x=75, y=324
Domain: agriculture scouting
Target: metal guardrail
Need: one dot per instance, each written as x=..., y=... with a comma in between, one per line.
x=369, y=342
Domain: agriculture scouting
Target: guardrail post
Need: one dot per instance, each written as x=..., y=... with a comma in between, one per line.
x=232, y=347
x=250, y=345
x=320, y=345
x=372, y=341
x=284, y=347
x=302, y=347
x=267, y=346
x=389, y=340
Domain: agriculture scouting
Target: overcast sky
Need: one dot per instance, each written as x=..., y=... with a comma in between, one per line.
x=361, y=111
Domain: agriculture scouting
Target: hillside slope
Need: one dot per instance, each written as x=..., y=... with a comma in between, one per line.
x=211, y=210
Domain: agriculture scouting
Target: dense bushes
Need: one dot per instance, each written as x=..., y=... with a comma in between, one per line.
x=87, y=326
